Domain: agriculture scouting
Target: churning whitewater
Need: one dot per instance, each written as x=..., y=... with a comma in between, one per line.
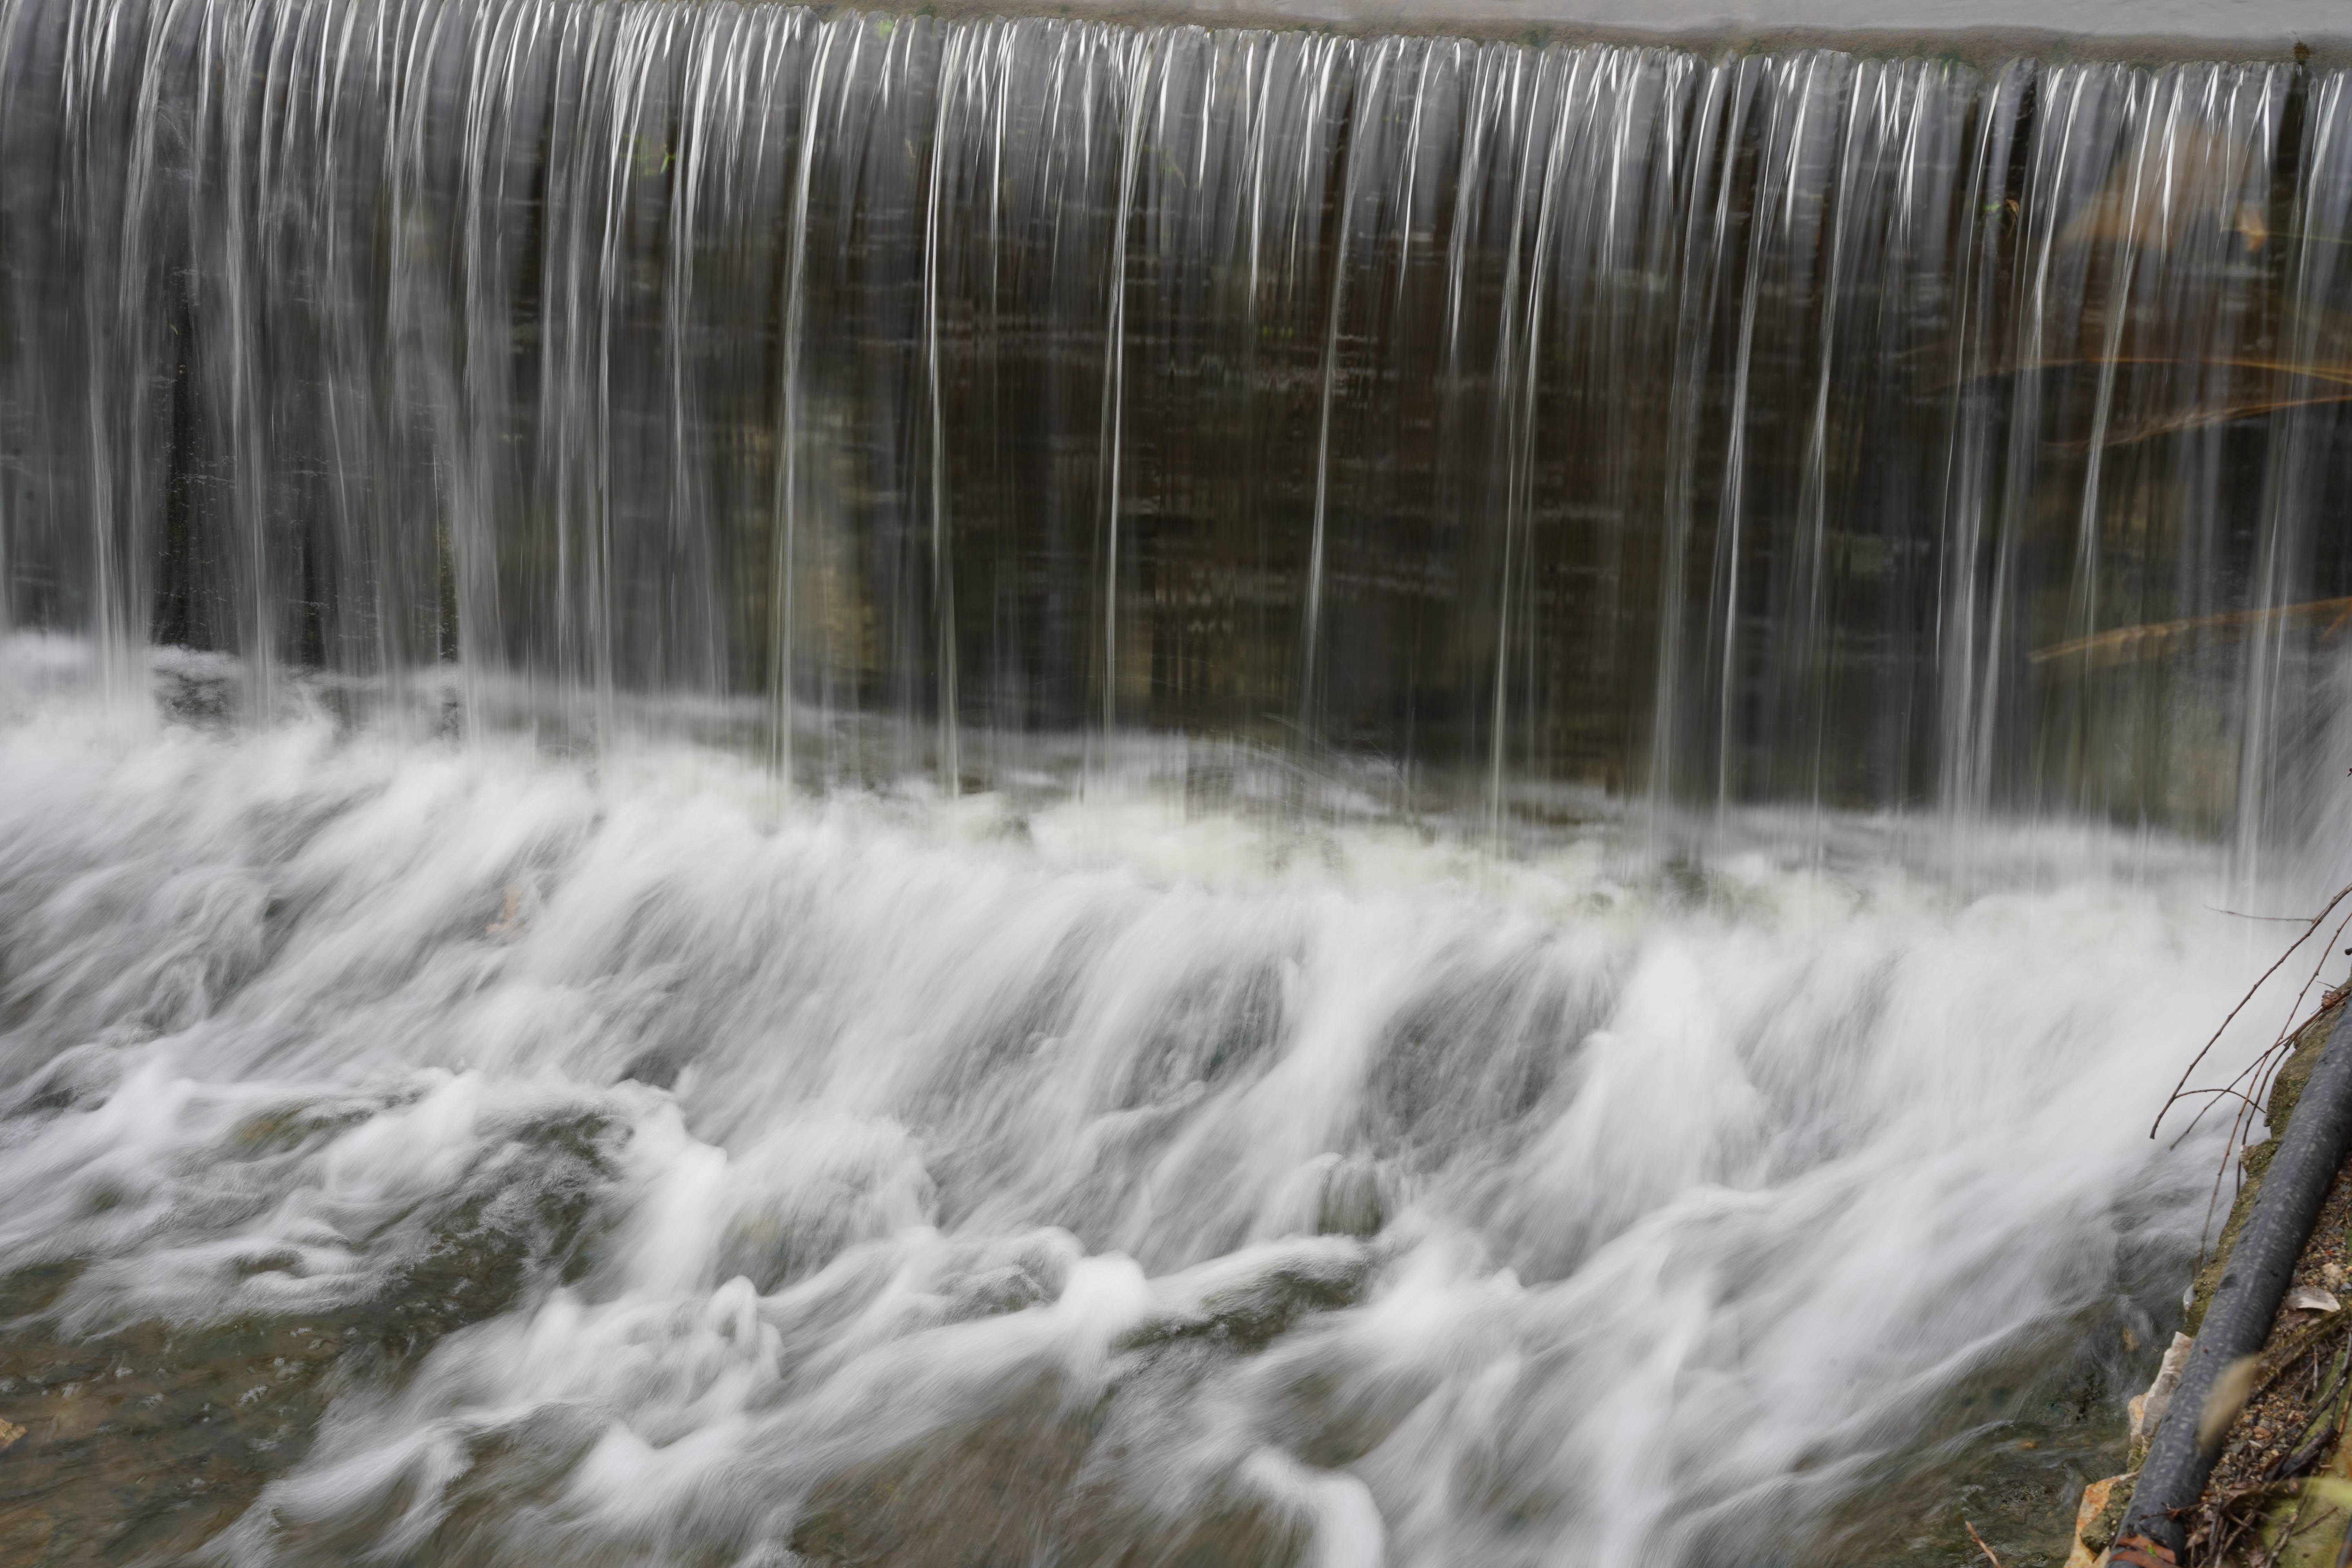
x=495, y=1159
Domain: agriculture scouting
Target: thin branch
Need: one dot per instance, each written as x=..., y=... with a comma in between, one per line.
x=2199, y=418
x=2240, y=914
x=2207, y=1049
x=2300, y=368
x=2131, y=642
x=2230, y=1089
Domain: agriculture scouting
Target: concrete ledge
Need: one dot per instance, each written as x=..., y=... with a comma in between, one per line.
x=1994, y=30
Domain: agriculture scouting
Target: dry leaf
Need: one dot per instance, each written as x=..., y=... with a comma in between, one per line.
x=2229, y=1397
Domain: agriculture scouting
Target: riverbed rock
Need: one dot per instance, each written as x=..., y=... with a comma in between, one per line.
x=2100, y=1515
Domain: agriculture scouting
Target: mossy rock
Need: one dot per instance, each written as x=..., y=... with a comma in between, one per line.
x=2305, y=1528
x=2100, y=1532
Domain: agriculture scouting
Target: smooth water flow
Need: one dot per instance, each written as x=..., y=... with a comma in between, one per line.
x=904, y=395
x=796, y=788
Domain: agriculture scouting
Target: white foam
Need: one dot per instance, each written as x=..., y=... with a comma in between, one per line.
x=1690, y=1208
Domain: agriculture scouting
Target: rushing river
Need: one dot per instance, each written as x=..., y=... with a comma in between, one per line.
x=802, y=788
x=434, y=1152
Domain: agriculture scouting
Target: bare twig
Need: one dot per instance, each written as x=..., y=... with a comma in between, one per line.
x=2304, y=369
x=2130, y=642
x=1981, y=1542
x=2206, y=1049
x=2268, y=1064
x=2220, y=413
x=2230, y=1089
x=2256, y=1075
x=2240, y=914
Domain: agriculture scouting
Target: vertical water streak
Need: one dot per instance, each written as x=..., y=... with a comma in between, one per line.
x=1964, y=772
x=1726, y=581
x=1863, y=108
x=782, y=584
x=1362, y=149
x=952, y=81
x=1508, y=351
x=688, y=657
x=2141, y=110
x=1130, y=64
x=1717, y=120
x=112, y=195
x=473, y=430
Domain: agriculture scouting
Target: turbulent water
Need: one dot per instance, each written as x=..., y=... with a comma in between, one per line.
x=436, y=1153
x=808, y=787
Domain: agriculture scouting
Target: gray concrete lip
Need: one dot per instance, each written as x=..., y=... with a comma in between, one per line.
x=1981, y=30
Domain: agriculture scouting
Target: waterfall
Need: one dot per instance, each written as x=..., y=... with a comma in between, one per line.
x=797, y=787
x=1813, y=430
